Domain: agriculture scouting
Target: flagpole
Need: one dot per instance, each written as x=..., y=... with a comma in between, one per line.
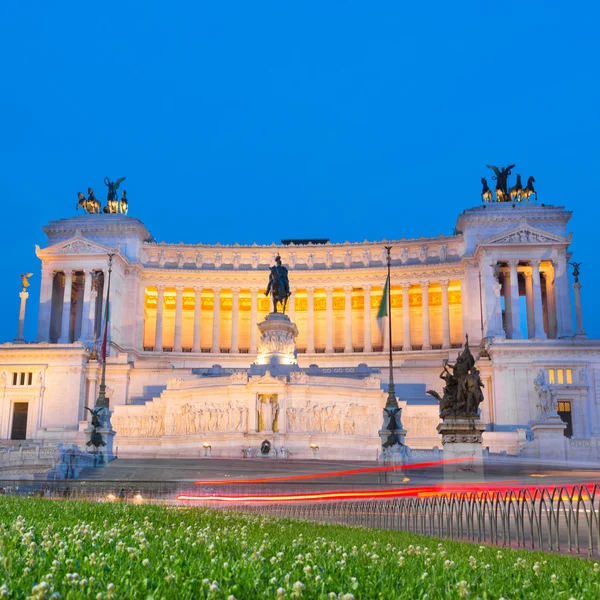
x=391, y=401
x=101, y=401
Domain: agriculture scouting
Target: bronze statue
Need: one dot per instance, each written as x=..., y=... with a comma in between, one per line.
x=112, y=201
x=95, y=437
x=576, y=271
x=462, y=393
x=486, y=193
x=89, y=205
x=515, y=190
x=123, y=204
x=501, y=179
x=24, y=280
x=529, y=190
x=279, y=285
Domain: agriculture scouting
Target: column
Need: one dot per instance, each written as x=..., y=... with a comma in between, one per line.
x=178, y=317
x=551, y=303
x=197, y=314
x=348, y=347
x=235, y=320
x=515, y=307
x=85, y=321
x=291, y=305
x=579, y=331
x=564, y=317
x=216, y=334
x=140, y=321
x=445, y=315
x=21, y=331
x=253, y=319
x=66, y=312
x=507, y=304
x=310, y=320
x=529, y=303
x=92, y=315
x=45, y=311
x=500, y=333
x=406, y=344
x=104, y=302
x=538, y=312
x=160, y=309
x=368, y=344
x=329, y=319
x=425, y=315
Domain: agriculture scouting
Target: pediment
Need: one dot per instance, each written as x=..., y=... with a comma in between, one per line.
x=77, y=245
x=266, y=380
x=523, y=233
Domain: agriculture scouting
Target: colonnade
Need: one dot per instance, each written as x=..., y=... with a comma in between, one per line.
x=355, y=307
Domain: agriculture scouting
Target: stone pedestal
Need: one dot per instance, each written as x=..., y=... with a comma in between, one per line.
x=106, y=452
x=580, y=331
x=21, y=332
x=461, y=439
x=549, y=437
x=277, y=344
x=394, y=452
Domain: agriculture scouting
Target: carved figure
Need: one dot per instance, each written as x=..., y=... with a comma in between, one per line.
x=515, y=190
x=279, y=285
x=575, y=266
x=546, y=401
x=529, y=190
x=112, y=202
x=265, y=447
x=486, y=193
x=89, y=205
x=95, y=437
x=123, y=204
x=24, y=280
x=501, y=179
x=462, y=393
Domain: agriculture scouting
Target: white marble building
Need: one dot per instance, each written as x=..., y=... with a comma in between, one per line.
x=183, y=334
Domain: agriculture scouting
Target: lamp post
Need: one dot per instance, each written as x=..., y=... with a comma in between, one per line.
x=392, y=402
x=102, y=401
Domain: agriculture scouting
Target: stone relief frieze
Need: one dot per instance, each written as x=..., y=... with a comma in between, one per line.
x=79, y=247
x=351, y=419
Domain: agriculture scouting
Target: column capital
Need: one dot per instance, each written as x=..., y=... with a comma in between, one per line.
x=179, y=288
x=424, y=284
x=348, y=289
x=235, y=291
x=329, y=289
x=68, y=272
x=513, y=263
x=197, y=289
x=405, y=285
x=254, y=291
x=444, y=283
x=88, y=272
x=528, y=275
x=216, y=290
x=535, y=263
x=310, y=289
x=367, y=287
x=160, y=288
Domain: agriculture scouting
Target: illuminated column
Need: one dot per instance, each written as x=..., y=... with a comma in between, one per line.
x=253, y=319
x=45, y=311
x=291, y=305
x=178, y=317
x=197, y=315
x=21, y=330
x=92, y=315
x=85, y=322
x=551, y=303
x=515, y=307
x=580, y=331
x=329, y=319
x=348, y=318
x=216, y=336
x=160, y=310
x=507, y=304
x=140, y=321
x=538, y=311
x=66, y=311
x=406, y=344
x=499, y=329
x=529, y=304
x=564, y=316
x=235, y=320
x=368, y=344
x=310, y=320
x=445, y=315
x=425, y=315
x=104, y=302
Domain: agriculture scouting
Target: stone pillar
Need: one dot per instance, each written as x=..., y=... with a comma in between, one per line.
x=235, y=320
x=160, y=309
x=85, y=322
x=178, y=317
x=216, y=335
x=348, y=347
x=551, y=303
x=425, y=315
x=529, y=303
x=500, y=333
x=563, y=297
x=45, y=311
x=368, y=343
x=66, y=312
x=538, y=312
x=579, y=331
x=406, y=343
x=253, y=319
x=104, y=302
x=507, y=304
x=329, y=319
x=20, y=339
x=310, y=320
x=291, y=305
x=197, y=315
x=140, y=325
x=92, y=315
x=445, y=315
x=515, y=307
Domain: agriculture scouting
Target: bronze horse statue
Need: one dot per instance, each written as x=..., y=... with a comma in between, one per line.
x=529, y=190
x=112, y=201
x=486, y=193
x=123, y=204
x=516, y=190
x=279, y=285
x=501, y=179
x=91, y=204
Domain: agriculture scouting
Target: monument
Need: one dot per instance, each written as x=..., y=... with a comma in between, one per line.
x=461, y=428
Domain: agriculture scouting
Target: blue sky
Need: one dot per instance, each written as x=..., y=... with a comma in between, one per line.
x=350, y=120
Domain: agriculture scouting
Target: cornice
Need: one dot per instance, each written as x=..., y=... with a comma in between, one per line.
x=101, y=224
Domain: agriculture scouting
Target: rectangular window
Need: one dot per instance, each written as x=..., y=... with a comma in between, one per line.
x=560, y=376
x=22, y=378
x=551, y=376
x=564, y=412
x=569, y=376
x=15, y=378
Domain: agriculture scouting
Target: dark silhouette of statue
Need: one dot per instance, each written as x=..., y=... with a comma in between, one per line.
x=501, y=178
x=112, y=200
x=576, y=271
x=279, y=285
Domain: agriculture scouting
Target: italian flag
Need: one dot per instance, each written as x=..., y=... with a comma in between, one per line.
x=382, y=313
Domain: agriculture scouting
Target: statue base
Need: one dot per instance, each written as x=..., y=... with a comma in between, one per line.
x=549, y=437
x=105, y=453
x=277, y=344
x=461, y=439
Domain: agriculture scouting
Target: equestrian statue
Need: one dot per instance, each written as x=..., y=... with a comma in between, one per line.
x=279, y=285
x=112, y=200
x=501, y=182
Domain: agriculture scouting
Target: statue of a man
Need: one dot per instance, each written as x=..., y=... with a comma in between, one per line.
x=279, y=285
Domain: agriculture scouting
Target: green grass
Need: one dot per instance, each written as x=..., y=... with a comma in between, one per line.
x=101, y=551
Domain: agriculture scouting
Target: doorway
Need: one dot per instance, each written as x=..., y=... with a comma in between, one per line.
x=19, y=421
x=564, y=412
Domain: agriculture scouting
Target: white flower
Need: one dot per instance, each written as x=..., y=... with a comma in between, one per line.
x=231, y=597
x=145, y=563
x=553, y=578
x=425, y=575
x=463, y=588
x=297, y=589
x=280, y=593
x=347, y=597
